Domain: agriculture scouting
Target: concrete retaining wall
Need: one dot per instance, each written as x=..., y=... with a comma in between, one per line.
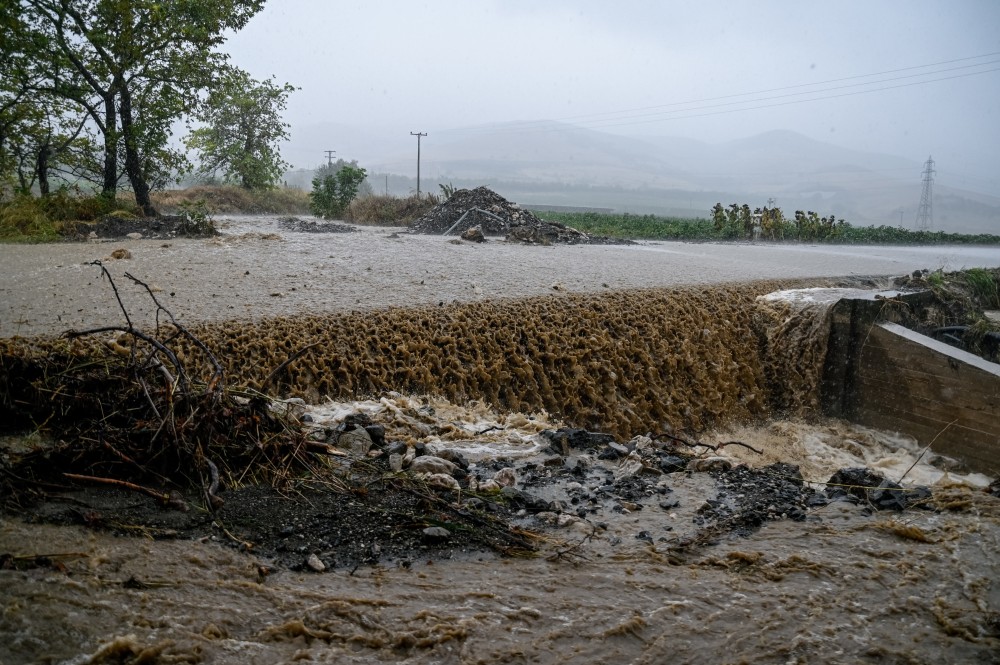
x=886, y=376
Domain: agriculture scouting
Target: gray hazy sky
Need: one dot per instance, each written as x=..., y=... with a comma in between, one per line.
x=644, y=67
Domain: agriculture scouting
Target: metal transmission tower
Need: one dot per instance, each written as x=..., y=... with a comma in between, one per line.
x=925, y=213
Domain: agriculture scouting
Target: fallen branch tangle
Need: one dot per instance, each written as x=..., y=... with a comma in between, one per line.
x=697, y=444
x=158, y=408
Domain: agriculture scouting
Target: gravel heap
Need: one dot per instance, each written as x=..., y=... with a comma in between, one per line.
x=310, y=226
x=496, y=216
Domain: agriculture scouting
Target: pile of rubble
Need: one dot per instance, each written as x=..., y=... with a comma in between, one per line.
x=496, y=216
x=310, y=226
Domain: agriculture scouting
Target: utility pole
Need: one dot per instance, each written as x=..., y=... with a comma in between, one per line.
x=329, y=156
x=418, y=135
x=925, y=213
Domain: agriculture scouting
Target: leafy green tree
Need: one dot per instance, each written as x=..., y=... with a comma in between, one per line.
x=242, y=129
x=134, y=66
x=333, y=192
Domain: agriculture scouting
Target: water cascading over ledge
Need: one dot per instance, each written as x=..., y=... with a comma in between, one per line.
x=624, y=362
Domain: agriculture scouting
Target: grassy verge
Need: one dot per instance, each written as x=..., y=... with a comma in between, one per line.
x=234, y=200
x=388, y=210
x=54, y=217
x=32, y=219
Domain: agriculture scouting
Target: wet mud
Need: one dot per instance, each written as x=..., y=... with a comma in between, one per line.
x=840, y=587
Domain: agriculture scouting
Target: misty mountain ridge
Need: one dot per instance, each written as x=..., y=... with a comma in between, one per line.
x=549, y=162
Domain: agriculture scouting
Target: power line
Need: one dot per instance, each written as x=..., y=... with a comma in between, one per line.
x=597, y=116
x=607, y=119
x=814, y=92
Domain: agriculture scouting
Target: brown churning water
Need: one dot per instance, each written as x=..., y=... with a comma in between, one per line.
x=622, y=362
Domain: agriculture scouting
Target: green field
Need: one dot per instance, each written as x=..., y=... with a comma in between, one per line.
x=653, y=227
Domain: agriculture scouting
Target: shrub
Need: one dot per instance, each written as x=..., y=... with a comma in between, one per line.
x=388, y=210
x=983, y=285
x=332, y=193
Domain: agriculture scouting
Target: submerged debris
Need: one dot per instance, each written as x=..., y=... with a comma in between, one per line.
x=312, y=226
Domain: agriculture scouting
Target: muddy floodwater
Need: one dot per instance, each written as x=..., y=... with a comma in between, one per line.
x=842, y=585
x=256, y=270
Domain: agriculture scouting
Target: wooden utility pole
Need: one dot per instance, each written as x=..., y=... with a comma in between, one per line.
x=418, y=135
x=329, y=156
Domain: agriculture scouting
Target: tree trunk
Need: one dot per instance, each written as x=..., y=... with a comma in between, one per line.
x=42, y=168
x=133, y=163
x=109, y=187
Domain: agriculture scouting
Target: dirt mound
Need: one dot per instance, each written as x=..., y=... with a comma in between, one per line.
x=496, y=216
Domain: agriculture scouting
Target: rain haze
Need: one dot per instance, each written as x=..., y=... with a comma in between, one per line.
x=495, y=83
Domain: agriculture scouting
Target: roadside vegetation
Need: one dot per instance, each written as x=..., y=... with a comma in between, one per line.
x=64, y=213
x=388, y=210
x=739, y=223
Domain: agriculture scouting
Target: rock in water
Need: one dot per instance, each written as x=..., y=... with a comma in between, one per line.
x=356, y=442
x=432, y=465
x=314, y=564
x=436, y=534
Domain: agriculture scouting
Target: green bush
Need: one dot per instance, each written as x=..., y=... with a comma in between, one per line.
x=332, y=193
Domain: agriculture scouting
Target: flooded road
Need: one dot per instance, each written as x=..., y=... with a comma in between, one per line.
x=256, y=270
x=845, y=585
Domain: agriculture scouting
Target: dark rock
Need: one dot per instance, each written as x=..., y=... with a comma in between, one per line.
x=455, y=457
x=520, y=499
x=817, y=499
x=789, y=472
x=473, y=234
x=611, y=453
x=672, y=463
x=872, y=488
x=994, y=488
x=396, y=448
x=565, y=438
x=377, y=434
x=357, y=419
x=888, y=496
x=436, y=534
x=854, y=482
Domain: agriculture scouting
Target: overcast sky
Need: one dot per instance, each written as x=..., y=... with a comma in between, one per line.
x=648, y=67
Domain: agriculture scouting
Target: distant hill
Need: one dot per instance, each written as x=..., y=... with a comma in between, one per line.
x=562, y=164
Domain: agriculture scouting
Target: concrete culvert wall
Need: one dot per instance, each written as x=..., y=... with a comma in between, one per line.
x=621, y=362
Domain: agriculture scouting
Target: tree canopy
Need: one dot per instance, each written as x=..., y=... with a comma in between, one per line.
x=242, y=128
x=132, y=68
